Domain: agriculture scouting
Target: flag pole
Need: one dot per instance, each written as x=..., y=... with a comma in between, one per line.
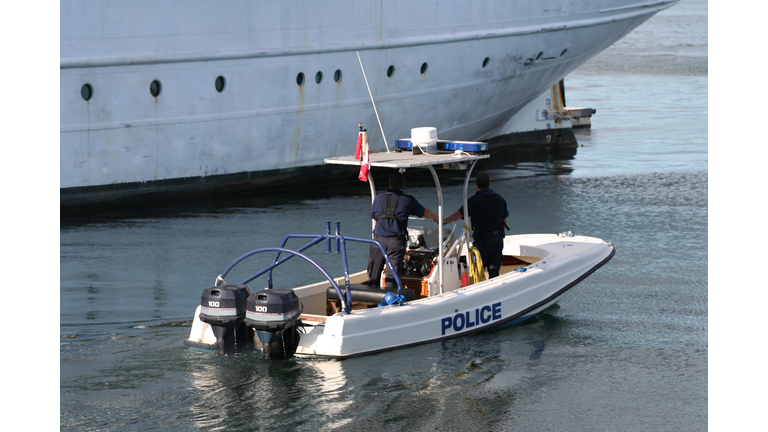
x=374, y=103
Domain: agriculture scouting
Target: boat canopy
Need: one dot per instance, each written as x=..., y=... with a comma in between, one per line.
x=409, y=159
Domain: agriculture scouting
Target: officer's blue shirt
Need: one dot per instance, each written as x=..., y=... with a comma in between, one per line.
x=472, y=203
x=407, y=206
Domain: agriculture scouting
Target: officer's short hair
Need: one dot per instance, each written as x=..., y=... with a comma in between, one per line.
x=397, y=180
x=483, y=180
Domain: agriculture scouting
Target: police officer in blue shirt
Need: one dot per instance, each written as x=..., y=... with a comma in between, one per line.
x=488, y=211
x=391, y=210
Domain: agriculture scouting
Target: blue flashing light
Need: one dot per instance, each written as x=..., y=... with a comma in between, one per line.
x=467, y=146
x=404, y=144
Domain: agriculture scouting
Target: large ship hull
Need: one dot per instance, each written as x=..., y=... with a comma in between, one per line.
x=257, y=94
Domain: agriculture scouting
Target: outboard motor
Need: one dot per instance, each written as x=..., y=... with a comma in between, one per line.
x=274, y=314
x=223, y=307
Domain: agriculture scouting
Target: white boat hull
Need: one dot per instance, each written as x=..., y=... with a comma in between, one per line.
x=506, y=299
x=263, y=124
x=562, y=262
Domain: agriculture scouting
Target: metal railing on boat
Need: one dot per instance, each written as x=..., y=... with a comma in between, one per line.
x=345, y=298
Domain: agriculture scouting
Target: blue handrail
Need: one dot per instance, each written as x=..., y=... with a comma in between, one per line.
x=315, y=239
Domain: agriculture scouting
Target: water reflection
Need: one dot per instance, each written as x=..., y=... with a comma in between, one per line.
x=250, y=392
x=462, y=383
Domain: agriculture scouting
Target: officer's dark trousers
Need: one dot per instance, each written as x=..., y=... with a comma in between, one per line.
x=395, y=247
x=490, y=251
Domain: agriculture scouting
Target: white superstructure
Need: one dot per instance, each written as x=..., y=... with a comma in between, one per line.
x=197, y=94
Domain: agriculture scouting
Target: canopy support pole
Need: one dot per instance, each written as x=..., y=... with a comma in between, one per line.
x=373, y=197
x=441, y=252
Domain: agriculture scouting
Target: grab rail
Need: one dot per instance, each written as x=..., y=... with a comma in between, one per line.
x=458, y=243
x=346, y=301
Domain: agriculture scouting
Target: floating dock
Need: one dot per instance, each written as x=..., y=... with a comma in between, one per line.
x=580, y=117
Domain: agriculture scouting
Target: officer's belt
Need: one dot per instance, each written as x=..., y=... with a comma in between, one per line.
x=490, y=233
x=401, y=237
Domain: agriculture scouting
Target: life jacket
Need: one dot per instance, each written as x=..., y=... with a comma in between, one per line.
x=390, y=212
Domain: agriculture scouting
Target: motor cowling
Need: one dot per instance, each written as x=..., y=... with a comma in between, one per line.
x=223, y=308
x=272, y=309
x=274, y=314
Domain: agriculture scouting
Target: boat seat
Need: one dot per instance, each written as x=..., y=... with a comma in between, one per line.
x=367, y=293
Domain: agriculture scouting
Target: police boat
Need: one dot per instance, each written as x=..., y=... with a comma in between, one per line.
x=443, y=293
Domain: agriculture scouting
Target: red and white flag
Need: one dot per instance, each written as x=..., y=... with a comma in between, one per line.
x=359, y=147
x=366, y=165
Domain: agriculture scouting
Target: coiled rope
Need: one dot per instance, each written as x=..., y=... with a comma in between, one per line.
x=476, y=269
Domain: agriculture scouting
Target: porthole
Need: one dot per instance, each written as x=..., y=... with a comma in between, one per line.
x=319, y=77
x=390, y=71
x=155, y=88
x=564, y=51
x=337, y=75
x=485, y=62
x=300, y=79
x=220, y=83
x=424, y=68
x=86, y=91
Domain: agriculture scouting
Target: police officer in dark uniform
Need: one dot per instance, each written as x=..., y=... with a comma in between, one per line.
x=391, y=210
x=488, y=211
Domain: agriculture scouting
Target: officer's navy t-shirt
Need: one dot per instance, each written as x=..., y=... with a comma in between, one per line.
x=474, y=206
x=405, y=207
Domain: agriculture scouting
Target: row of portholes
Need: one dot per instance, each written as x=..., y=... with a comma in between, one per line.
x=155, y=87
x=301, y=79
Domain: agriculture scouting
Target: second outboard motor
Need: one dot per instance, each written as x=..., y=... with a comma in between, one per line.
x=223, y=307
x=274, y=314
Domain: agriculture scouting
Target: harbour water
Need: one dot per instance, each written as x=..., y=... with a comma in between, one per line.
x=627, y=350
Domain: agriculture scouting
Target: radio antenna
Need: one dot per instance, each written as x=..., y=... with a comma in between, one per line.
x=374, y=103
